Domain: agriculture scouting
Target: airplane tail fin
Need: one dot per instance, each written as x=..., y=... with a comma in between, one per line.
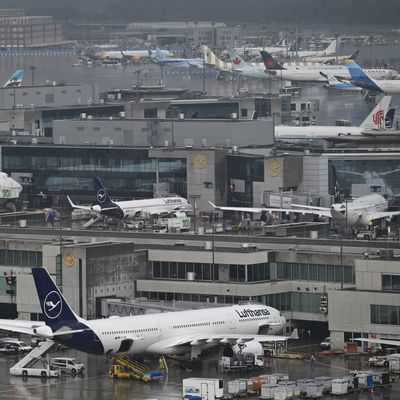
x=270, y=62
x=359, y=77
x=376, y=118
x=389, y=118
x=160, y=55
x=102, y=197
x=210, y=58
x=237, y=61
x=15, y=79
x=56, y=311
x=151, y=56
x=331, y=48
x=354, y=55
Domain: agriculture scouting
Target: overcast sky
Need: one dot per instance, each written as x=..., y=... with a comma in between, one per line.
x=383, y=12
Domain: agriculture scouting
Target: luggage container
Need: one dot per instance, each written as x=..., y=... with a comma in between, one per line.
x=237, y=387
x=268, y=390
x=340, y=386
x=288, y=386
x=315, y=390
x=302, y=384
x=326, y=380
x=365, y=381
x=282, y=393
x=202, y=389
x=394, y=362
x=352, y=383
x=281, y=377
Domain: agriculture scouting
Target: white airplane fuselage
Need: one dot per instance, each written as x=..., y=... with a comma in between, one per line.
x=358, y=211
x=286, y=132
x=157, y=206
x=152, y=333
x=311, y=73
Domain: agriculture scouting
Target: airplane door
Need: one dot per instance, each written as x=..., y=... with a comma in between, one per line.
x=232, y=325
x=204, y=391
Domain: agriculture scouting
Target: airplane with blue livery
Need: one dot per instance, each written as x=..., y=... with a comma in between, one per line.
x=339, y=85
x=15, y=79
x=362, y=79
x=158, y=57
x=179, y=332
x=131, y=209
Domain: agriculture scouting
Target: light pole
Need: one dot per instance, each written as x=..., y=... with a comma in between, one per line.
x=33, y=69
x=194, y=197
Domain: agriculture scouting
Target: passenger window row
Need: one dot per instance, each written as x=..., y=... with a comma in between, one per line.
x=130, y=331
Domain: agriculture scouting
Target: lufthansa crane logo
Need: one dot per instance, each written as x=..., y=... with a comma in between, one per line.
x=101, y=196
x=52, y=305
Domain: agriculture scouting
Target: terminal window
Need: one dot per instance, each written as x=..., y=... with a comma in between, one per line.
x=391, y=283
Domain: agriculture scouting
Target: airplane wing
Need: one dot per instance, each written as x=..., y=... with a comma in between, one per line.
x=73, y=205
x=220, y=338
x=383, y=214
x=28, y=327
x=324, y=212
x=379, y=341
x=20, y=326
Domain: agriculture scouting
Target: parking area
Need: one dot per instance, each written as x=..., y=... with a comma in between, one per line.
x=96, y=384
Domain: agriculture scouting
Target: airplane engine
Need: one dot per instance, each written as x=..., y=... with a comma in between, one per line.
x=138, y=214
x=96, y=208
x=43, y=331
x=178, y=214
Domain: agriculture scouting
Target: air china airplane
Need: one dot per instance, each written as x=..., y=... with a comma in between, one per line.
x=365, y=80
x=167, y=333
x=378, y=119
x=132, y=208
x=359, y=212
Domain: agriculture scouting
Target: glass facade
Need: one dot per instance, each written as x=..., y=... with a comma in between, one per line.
x=20, y=258
x=213, y=110
x=125, y=172
x=180, y=270
x=294, y=301
x=391, y=283
x=385, y=315
x=380, y=175
x=246, y=171
x=316, y=272
x=249, y=273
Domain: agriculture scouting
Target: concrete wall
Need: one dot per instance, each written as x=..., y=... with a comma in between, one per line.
x=315, y=175
x=47, y=96
x=154, y=132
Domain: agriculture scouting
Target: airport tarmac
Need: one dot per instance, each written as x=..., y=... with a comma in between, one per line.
x=96, y=384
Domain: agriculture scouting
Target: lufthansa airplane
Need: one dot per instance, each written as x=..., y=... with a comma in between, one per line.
x=130, y=209
x=167, y=333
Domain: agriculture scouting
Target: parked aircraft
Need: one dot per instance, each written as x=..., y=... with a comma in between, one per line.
x=15, y=79
x=312, y=72
x=167, y=333
x=125, y=54
x=364, y=79
x=328, y=51
x=376, y=120
x=279, y=48
x=356, y=213
x=333, y=59
x=340, y=86
x=212, y=60
x=239, y=66
x=158, y=57
x=130, y=209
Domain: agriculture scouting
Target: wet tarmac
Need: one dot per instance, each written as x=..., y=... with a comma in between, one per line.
x=96, y=384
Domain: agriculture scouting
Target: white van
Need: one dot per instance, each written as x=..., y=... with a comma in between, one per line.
x=15, y=345
x=68, y=365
